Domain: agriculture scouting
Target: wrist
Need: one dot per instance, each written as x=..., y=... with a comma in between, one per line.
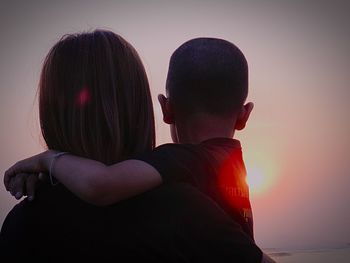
x=53, y=157
x=46, y=160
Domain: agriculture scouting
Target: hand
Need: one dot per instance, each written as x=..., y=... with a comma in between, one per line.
x=25, y=184
x=23, y=176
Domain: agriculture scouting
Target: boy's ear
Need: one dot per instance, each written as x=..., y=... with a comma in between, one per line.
x=168, y=116
x=243, y=116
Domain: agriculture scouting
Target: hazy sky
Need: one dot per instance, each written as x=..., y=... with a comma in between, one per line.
x=297, y=141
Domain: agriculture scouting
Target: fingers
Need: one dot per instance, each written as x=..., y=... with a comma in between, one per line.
x=7, y=178
x=31, y=184
x=18, y=186
x=23, y=184
x=11, y=174
x=11, y=184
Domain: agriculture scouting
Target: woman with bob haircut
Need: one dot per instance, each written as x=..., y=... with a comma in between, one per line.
x=94, y=102
x=94, y=98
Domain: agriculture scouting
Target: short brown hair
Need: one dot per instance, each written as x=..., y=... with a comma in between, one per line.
x=208, y=75
x=94, y=98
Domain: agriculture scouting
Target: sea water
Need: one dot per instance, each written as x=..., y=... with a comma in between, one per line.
x=324, y=255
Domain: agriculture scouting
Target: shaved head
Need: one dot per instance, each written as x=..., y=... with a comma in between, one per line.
x=207, y=75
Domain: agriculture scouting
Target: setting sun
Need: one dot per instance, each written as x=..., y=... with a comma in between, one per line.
x=261, y=175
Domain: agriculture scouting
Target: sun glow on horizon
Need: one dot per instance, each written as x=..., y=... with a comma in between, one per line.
x=261, y=175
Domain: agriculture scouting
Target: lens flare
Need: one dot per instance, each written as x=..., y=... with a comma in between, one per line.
x=83, y=96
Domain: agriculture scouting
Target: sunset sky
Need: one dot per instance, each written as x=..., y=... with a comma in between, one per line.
x=296, y=144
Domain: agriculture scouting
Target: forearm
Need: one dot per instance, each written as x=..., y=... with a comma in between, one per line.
x=102, y=185
x=85, y=178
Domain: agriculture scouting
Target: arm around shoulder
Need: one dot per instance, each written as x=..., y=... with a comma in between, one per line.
x=103, y=185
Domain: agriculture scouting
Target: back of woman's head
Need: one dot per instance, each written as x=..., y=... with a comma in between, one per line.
x=94, y=98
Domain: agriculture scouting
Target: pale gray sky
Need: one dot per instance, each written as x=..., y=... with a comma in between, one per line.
x=297, y=140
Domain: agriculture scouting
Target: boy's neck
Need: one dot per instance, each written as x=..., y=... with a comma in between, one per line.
x=204, y=127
